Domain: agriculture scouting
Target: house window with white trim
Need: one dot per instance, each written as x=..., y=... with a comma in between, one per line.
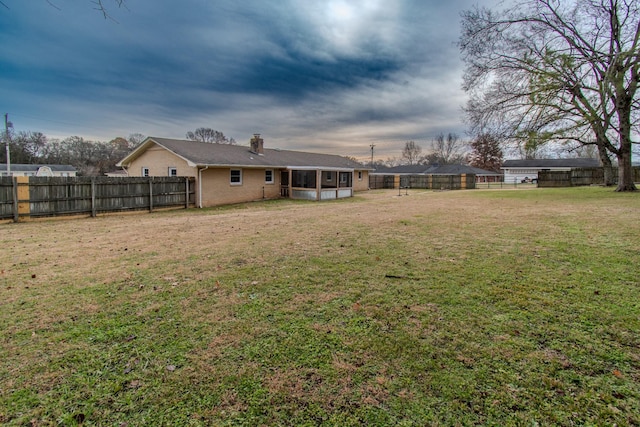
x=268, y=176
x=235, y=177
x=145, y=171
x=359, y=175
x=173, y=171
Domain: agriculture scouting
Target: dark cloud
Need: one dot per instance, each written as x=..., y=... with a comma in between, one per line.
x=332, y=75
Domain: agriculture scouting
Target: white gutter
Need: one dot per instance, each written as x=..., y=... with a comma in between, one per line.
x=200, y=186
x=323, y=168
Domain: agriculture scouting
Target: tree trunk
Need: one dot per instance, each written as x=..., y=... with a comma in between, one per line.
x=625, y=171
x=607, y=167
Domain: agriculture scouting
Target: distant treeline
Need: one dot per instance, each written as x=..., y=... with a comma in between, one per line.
x=90, y=158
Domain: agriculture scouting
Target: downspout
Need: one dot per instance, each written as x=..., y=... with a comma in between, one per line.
x=200, y=186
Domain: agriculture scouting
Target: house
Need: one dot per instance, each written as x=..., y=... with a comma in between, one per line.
x=226, y=174
x=37, y=170
x=516, y=171
x=435, y=169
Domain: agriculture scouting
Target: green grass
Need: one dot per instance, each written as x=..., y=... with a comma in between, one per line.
x=453, y=308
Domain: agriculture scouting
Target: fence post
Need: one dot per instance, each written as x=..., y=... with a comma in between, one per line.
x=23, y=197
x=93, y=197
x=150, y=194
x=186, y=192
x=14, y=180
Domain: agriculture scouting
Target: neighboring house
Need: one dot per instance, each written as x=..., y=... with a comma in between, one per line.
x=527, y=170
x=226, y=173
x=480, y=174
x=38, y=170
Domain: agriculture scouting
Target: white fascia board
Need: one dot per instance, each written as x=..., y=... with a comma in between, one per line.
x=324, y=168
x=235, y=166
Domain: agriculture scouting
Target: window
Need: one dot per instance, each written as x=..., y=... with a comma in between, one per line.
x=173, y=171
x=359, y=175
x=235, y=177
x=268, y=176
x=345, y=179
x=329, y=176
x=145, y=171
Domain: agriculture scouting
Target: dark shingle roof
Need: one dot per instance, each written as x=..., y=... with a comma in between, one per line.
x=211, y=154
x=457, y=170
x=407, y=169
x=434, y=170
x=551, y=163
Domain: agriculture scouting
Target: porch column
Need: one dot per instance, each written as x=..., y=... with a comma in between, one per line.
x=318, y=184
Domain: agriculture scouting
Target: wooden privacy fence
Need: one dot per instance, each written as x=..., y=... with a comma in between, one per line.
x=34, y=197
x=579, y=176
x=435, y=182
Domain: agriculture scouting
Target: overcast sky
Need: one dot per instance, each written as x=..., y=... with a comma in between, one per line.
x=330, y=76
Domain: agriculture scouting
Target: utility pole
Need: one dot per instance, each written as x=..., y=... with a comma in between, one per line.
x=372, y=145
x=7, y=125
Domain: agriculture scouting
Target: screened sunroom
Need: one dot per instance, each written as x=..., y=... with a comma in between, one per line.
x=316, y=183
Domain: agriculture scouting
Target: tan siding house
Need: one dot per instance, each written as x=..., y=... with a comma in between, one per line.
x=226, y=174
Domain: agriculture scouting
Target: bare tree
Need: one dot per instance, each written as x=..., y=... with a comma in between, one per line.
x=98, y=5
x=209, y=135
x=411, y=153
x=25, y=147
x=547, y=70
x=447, y=150
x=135, y=139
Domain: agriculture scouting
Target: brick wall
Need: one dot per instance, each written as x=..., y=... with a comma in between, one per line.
x=218, y=190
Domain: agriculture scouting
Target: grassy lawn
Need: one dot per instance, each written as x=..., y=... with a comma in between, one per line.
x=485, y=307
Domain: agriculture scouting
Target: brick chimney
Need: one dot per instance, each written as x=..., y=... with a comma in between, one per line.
x=257, y=144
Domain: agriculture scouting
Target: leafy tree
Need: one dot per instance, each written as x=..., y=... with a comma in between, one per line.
x=548, y=70
x=411, y=153
x=486, y=153
x=209, y=135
